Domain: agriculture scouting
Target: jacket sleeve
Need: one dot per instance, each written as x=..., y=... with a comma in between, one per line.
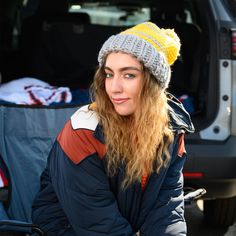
x=84, y=194
x=167, y=216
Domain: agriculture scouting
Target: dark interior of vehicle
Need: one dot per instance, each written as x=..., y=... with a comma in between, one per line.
x=42, y=39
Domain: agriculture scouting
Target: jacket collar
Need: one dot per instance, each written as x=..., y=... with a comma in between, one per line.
x=180, y=120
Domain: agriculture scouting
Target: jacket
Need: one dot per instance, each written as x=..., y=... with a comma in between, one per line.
x=77, y=197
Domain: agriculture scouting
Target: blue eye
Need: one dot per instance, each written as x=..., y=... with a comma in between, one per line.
x=108, y=75
x=129, y=76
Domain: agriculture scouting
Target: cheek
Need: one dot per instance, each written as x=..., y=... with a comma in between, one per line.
x=137, y=90
x=106, y=86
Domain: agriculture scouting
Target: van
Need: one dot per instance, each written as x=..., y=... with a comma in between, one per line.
x=57, y=42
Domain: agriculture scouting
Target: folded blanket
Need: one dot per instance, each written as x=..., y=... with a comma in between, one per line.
x=31, y=91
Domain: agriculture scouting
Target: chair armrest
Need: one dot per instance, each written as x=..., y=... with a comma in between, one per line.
x=194, y=195
x=20, y=226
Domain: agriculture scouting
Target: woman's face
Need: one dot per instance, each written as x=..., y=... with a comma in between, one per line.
x=123, y=82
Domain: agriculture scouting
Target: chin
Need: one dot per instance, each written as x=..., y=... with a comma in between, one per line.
x=124, y=113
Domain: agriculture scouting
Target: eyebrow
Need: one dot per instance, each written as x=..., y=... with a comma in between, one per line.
x=124, y=68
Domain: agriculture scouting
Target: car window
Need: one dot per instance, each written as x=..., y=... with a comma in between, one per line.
x=105, y=14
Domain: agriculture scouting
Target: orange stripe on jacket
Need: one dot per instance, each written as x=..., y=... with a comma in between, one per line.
x=144, y=181
x=79, y=144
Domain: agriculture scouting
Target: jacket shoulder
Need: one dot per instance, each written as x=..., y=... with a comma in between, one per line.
x=77, y=138
x=84, y=118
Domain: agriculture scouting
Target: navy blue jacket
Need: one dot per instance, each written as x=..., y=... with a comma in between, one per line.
x=78, y=198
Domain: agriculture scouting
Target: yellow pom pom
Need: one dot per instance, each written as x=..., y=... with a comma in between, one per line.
x=172, y=45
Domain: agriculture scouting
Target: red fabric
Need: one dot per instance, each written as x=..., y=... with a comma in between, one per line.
x=4, y=179
x=181, y=149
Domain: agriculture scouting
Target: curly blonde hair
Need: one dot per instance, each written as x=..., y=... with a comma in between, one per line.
x=138, y=142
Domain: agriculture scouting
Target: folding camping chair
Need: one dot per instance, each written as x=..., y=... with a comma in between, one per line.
x=26, y=137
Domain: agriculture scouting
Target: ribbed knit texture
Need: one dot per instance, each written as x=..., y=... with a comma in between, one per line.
x=156, y=48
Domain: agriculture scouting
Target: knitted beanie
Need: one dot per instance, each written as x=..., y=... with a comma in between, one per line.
x=156, y=48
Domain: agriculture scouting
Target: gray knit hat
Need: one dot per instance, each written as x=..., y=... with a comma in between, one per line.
x=156, y=48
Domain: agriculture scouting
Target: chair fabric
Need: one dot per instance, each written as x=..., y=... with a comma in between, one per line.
x=27, y=135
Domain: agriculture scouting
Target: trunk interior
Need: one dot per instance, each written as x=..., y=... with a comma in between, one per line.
x=59, y=47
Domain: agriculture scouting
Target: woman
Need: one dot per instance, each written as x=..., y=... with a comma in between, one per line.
x=115, y=168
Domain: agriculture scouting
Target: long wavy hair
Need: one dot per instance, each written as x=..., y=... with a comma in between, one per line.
x=138, y=142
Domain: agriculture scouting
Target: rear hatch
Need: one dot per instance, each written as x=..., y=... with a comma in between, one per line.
x=58, y=42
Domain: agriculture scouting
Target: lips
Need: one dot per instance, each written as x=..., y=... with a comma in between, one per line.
x=119, y=100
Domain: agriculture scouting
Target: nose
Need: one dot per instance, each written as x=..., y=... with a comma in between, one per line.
x=116, y=84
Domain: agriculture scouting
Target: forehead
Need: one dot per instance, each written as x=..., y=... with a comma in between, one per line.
x=120, y=59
